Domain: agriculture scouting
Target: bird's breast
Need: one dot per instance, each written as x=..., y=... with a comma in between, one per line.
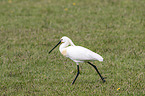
x=64, y=52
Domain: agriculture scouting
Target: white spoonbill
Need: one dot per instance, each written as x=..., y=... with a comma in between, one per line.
x=77, y=54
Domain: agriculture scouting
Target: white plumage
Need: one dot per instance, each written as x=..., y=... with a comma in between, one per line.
x=77, y=54
x=81, y=54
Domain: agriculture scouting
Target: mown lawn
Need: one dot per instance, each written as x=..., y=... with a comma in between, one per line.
x=113, y=28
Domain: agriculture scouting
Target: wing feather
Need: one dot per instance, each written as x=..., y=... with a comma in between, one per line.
x=82, y=54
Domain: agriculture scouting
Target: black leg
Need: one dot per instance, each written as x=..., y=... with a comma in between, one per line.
x=76, y=75
x=97, y=71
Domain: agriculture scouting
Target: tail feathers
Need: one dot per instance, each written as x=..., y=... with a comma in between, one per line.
x=98, y=57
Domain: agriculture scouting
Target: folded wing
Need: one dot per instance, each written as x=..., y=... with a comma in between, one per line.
x=79, y=53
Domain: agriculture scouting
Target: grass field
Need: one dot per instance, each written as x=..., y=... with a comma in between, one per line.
x=115, y=29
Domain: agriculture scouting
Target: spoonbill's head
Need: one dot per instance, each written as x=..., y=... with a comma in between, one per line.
x=64, y=39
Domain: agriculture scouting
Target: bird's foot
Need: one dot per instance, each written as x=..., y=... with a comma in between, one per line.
x=103, y=80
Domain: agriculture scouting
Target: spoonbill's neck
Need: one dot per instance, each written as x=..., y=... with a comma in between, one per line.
x=65, y=44
x=71, y=43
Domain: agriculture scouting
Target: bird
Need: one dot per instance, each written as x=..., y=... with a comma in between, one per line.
x=78, y=54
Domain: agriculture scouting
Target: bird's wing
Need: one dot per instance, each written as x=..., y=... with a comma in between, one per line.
x=82, y=54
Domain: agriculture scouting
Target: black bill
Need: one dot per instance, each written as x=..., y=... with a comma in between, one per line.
x=55, y=46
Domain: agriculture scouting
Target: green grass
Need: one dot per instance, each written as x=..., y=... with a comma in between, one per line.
x=113, y=28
